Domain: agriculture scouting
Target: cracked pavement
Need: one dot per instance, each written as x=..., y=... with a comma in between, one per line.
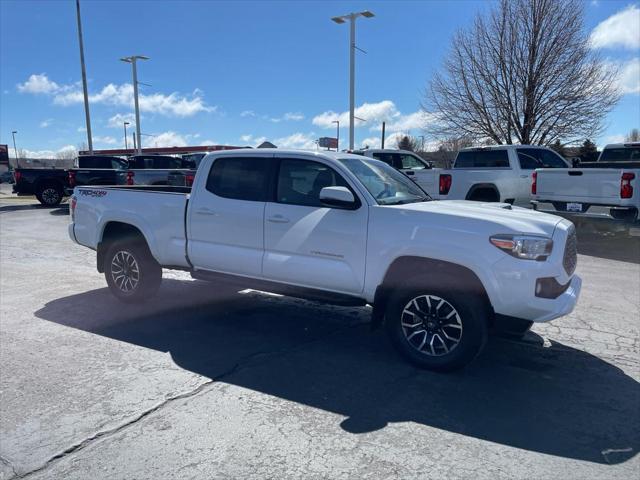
x=210, y=382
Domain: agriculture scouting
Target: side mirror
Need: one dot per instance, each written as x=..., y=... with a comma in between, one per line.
x=337, y=197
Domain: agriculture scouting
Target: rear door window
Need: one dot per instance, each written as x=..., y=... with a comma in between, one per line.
x=482, y=159
x=240, y=178
x=620, y=154
x=532, y=158
x=411, y=162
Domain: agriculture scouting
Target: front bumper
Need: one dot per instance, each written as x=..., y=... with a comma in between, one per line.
x=513, y=282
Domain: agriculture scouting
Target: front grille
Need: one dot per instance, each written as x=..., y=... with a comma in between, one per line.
x=570, y=259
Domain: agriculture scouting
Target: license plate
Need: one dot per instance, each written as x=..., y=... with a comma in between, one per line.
x=574, y=207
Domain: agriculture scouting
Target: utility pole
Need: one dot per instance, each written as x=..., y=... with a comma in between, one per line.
x=133, y=60
x=84, y=81
x=351, y=17
x=384, y=125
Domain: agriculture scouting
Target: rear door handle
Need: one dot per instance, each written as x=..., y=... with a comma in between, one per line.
x=409, y=173
x=524, y=176
x=278, y=219
x=205, y=211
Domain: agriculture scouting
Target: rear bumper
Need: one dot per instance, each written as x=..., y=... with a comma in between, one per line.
x=624, y=213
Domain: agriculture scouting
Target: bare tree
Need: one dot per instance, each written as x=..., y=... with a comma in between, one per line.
x=523, y=73
x=634, y=136
x=67, y=154
x=407, y=142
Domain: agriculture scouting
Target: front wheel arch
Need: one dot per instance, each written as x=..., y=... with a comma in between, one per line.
x=410, y=268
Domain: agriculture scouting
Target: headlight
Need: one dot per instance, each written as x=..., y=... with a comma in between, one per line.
x=524, y=246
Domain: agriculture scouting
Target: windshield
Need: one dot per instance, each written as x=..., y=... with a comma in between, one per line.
x=387, y=185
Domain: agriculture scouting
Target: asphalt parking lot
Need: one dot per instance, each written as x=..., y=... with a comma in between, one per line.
x=211, y=382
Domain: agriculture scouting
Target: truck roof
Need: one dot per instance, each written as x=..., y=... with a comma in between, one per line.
x=327, y=154
x=622, y=145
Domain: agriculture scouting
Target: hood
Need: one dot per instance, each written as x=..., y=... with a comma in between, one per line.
x=506, y=218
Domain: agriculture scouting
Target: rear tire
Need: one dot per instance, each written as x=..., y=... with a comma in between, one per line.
x=133, y=275
x=50, y=195
x=437, y=326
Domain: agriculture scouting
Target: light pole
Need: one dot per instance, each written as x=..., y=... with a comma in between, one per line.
x=126, y=147
x=15, y=150
x=132, y=60
x=351, y=17
x=84, y=80
x=337, y=134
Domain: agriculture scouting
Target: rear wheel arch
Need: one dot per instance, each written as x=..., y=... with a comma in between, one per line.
x=116, y=231
x=408, y=271
x=484, y=192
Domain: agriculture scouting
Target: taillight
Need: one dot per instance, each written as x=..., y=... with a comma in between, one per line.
x=72, y=179
x=626, y=190
x=188, y=179
x=74, y=202
x=17, y=176
x=534, y=183
x=130, y=176
x=445, y=183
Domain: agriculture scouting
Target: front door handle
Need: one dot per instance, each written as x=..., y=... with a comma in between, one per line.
x=205, y=211
x=524, y=176
x=278, y=219
x=410, y=173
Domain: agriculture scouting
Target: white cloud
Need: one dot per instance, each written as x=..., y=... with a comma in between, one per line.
x=117, y=121
x=166, y=139
x=107, y=140
x=375, y=114
x=371, y=112
x=46, y=123
x=82, y=129
x=619, y=30
x=38, y=84
x=46, y=153
x=173, y=104
x=304, y=141
x=371, y=142
x=629, y=76
x=208, y=142
x=295, y=116
x=615, y=139
x=251, y=140
x=248, y=113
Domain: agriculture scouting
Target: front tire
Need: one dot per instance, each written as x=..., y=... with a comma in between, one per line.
x=437, y=328
x=133, y=275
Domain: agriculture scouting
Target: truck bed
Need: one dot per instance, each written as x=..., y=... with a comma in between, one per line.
x=157, y=211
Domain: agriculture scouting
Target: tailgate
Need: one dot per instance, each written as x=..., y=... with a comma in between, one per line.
x=587, y=184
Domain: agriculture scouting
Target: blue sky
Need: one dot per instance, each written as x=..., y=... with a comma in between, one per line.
x=239, y=72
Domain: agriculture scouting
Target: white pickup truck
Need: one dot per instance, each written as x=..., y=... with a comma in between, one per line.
x=612, y=182
x=500, y=173
x=342, y=229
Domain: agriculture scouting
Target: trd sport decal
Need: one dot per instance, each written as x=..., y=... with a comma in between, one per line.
x=93, y=193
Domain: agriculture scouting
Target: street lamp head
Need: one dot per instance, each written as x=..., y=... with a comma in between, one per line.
x=126, y=123
x=15, y=131
x=338, y=20
x=336, y=121
x=367, y=14
x=133, y=58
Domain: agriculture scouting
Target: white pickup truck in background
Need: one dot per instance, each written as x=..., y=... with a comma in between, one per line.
x=342, y=229
x=501, y=173
x=612, y=182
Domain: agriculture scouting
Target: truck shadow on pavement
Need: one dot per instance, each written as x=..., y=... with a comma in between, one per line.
x=557, y=400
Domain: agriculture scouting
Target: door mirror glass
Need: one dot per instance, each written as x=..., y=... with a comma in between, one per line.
x=337, y=197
